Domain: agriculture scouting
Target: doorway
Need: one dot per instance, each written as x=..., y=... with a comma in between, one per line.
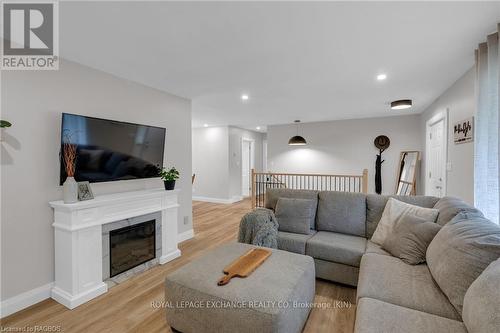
x=247, y=164
x=436, y=154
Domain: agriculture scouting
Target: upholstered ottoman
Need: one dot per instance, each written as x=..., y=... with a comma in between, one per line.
x=276, y=297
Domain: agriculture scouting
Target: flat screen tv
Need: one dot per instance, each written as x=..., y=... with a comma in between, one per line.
x=109, y=150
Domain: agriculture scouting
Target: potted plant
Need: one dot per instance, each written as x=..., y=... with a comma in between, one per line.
x=4, y=124
x=169, y=176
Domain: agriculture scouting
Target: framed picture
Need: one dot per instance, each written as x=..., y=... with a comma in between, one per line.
x=463, y=131
x=84, y=191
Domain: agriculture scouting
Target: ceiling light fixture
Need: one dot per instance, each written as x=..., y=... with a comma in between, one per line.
x=297, y=140
x=401, y=104
x=205, y=125
x=381, y=77
x=244, y=97
x=257, y=128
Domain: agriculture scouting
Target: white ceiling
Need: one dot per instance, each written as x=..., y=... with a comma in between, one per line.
x=296, y=60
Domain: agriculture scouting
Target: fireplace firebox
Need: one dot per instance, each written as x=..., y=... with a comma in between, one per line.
x=131, y=246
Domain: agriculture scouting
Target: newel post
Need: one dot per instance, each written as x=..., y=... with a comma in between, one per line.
x=365, y=181
x=253, y=188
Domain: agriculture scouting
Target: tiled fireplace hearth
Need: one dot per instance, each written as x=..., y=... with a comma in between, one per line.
x=130, y=247
x=79, y=231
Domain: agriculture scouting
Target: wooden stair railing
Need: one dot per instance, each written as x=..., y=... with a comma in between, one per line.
x=261, y=181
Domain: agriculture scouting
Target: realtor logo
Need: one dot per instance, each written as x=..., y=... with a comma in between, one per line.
x=30, y=36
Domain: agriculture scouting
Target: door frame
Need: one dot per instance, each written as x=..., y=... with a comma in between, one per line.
x=441, y=115
x=252, y=163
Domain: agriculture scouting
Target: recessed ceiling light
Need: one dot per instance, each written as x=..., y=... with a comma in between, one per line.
x=205, y=125
x=381, y=77
x=257, y=128
x=401, y=104
x=244, y=97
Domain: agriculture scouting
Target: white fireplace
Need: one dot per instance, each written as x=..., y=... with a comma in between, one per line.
x=78, y=238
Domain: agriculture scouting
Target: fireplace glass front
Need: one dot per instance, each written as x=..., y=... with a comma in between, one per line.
x=131, y=246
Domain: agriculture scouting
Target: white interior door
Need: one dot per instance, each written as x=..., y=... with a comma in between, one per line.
x=436, y=159
x=246, y=166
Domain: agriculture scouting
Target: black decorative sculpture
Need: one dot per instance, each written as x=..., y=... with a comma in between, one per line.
x=382, y=142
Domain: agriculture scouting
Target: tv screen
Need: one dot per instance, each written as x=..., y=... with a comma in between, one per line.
x=108, y=150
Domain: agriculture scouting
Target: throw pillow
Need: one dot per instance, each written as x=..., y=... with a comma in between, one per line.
x=394, y=211
x=460, y=252
x=410, y=239
x=295, y=215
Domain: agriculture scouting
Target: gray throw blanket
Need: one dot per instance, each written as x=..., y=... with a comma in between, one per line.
x=260, y=228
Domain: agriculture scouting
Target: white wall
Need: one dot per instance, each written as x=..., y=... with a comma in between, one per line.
x=211, y=162
x=217, y=161
x=460, y=101
x=33, y=101
x=344, y=147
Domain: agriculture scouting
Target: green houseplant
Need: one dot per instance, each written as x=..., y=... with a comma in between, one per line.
x=4, y=124
x=169, y=176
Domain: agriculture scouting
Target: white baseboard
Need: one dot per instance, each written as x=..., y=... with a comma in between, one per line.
x=30, y=297
x=183, y=236
x=22, y=301
x=72, y=301
x=218, y=200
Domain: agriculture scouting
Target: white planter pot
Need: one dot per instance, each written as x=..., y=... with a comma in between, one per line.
x=70, y=191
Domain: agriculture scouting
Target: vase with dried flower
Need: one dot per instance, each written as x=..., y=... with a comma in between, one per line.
x=70, y=186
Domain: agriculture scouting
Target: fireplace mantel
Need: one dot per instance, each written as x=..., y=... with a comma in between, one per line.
x=78, y=238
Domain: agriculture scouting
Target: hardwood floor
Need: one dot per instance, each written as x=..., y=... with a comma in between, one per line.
x=131, y=306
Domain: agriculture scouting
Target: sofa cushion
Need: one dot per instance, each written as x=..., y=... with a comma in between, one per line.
x=342, y=212
x=449, y=207
x=295, y=215
x=482, y=301
x=374, y=316
x=332, y=271
x=372, y=247
x=375, y=205
x=389, y=279
x=394, y=212
x=339, y=248
x=293, y=242
x=273, y=194
x=410, y=239
x=460, y=252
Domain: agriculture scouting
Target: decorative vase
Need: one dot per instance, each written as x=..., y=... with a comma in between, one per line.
x=70, y=191
x=169, y=185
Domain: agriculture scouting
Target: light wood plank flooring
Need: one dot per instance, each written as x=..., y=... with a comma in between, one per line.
x=128, y=307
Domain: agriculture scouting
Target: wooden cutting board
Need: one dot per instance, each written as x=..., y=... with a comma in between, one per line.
x=244, y=265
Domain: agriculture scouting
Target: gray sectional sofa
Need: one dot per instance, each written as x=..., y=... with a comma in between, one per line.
x=393, y=296
x=343, y=227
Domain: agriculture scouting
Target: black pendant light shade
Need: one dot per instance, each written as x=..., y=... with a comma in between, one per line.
x=297, y=140
x=401, y=104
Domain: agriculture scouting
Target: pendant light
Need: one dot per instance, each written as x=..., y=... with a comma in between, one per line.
x=297, y=140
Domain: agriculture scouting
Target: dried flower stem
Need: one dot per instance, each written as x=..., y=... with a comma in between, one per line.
x=69, y=157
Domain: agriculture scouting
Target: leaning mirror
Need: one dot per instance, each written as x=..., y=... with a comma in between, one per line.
x=407, y=173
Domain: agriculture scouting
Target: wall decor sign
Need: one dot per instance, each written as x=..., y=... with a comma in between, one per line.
x=463, y=131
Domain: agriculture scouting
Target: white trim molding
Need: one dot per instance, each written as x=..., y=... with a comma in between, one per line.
x=218, y=200
x=184, y=236
x=24, y=300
